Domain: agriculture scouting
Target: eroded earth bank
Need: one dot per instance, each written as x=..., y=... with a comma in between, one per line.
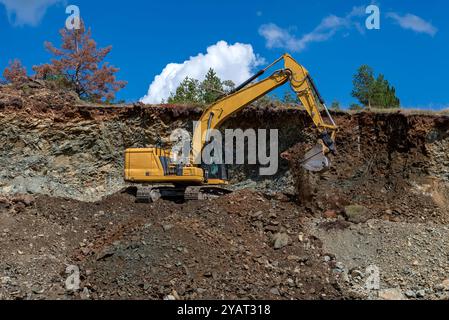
x=380, y=213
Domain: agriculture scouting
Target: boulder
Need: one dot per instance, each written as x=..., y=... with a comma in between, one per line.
x=356, y=213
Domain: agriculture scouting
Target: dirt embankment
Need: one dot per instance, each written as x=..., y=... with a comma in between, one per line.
x=384, y=203
x=52, y=143
x=243, y=245
x=55, y=144
x=394, y=164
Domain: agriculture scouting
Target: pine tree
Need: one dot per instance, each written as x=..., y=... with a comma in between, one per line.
x=81, y=63
x=228, y=85
x=211, y=87
x=375, y=92
x=364, y=85
x=206, y=92
x=186, y=92
x=384, y=95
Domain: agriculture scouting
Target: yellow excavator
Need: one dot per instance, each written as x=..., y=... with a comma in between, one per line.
x=156, y=175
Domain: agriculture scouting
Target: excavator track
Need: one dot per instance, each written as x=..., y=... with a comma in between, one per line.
x=204, y=192
x=153, y=193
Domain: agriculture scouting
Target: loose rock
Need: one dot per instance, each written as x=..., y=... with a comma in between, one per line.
x=280, y=240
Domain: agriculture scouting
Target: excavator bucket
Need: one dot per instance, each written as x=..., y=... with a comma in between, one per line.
x=315, y=160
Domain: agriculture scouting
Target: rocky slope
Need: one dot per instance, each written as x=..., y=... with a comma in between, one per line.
x=385, y=202
x=54, y=144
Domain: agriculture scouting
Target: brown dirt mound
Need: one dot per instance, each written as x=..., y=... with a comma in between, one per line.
x=386, y=165
x=197, y=250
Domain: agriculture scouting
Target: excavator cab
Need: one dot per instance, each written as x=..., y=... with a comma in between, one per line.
x=215, y=172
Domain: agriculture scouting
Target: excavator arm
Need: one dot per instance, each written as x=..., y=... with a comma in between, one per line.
x=302, y=84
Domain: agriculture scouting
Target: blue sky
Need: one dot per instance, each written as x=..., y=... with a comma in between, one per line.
x=327, y=37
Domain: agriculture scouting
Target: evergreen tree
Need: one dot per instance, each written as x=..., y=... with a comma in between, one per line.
x=206, y=92
x=228, y=85
x=187, y=92
x=374, y=92
x=364, y=85
x=211, y=87
x=384, y=95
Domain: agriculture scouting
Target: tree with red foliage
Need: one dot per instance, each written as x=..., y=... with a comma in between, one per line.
x=80, y=63
x=15, y=72
x=44, y=71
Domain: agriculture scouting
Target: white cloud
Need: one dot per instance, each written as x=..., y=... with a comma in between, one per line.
x=27, y=12
x=415, y=23
x=230, y=62
x=277, y=37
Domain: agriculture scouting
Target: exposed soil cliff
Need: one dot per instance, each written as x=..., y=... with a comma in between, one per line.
x=385, y=202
